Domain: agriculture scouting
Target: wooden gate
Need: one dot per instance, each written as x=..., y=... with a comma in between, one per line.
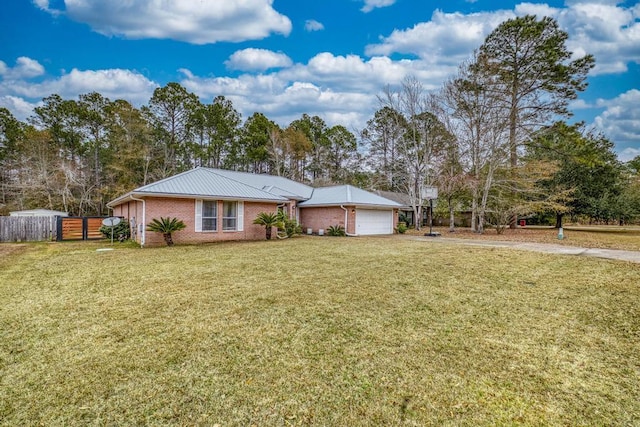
x=79, y=228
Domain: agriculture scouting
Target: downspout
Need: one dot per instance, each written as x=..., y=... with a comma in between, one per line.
x=144, y=220
x=346, y=222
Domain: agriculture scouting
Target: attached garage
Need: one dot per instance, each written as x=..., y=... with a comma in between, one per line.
x=360, y=212
x=373, y=221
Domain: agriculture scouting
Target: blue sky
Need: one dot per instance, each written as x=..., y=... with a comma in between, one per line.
x=283, y=58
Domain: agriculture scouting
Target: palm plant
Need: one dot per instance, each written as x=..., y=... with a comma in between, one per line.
x=288, y=227
x=336, y=230
x=268, y=220
x=166, y=226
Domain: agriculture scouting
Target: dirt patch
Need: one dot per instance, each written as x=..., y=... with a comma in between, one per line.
x=595, y=237
x=7, y=249
x=9, y=252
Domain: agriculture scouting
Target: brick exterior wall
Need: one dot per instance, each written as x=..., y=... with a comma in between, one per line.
x=185, y=210
x=324, y=217
x=396, y=217
x=132, y=212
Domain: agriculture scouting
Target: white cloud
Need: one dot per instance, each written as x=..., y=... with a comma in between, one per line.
x=312, y=25
x=620, y=122
x=628, y=154
x=20, y=94
x=580, y=104
x=112, y=83
x=42, y=4
x=284, y=101
x=610, y=32
x=448, y=38
x=538, y=9
x=602, y=28
x=369, y=5
x=20, y=108
x=25, y=68
x=257, y=60
x=340, y=89
x=198, y=22
x=353, y=73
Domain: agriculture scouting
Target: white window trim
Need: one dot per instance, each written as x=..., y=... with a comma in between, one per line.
x=239, y=217
x=199, y=218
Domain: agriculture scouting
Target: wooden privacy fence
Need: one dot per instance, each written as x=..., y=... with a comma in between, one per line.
x=79, y=228
x=45, y=228
x=27, y=228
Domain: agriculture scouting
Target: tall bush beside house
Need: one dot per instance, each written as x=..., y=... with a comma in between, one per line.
x=166, y=226
x=268, y=220
x=121, y=232
x=287, y=227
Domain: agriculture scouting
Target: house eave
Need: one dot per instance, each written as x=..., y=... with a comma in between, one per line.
x=350, y=204
x=132, y=196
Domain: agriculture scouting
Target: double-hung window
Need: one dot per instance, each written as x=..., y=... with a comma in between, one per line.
x=230, y=216
x=209, y=215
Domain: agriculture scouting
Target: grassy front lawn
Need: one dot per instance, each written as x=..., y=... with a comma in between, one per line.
x=316, y=331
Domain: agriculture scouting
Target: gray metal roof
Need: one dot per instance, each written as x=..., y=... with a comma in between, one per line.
x=224, y=184
x=38, y=212
x=346, y=195
x=401, y=198
x=203, y=182
x=270, y=183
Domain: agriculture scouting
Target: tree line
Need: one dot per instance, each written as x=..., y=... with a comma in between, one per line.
x=493, y=139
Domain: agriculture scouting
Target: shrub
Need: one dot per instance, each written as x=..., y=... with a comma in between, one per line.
x=336, y=230
x=268, y=220
x=166, y=226
x=287, y=227
x=401, y=228
x=121, y=232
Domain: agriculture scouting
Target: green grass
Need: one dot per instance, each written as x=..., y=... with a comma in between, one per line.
x=316, y=331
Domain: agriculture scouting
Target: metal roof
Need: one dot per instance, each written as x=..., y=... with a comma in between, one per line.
x=224, y=184
x=273, y=184
x=38, y=212
x=203, y=182
x=401, y=198
x=346, y=195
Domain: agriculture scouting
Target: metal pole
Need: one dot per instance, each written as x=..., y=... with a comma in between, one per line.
x=430, y=216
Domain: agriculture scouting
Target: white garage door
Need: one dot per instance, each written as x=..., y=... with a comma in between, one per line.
x=369, y=221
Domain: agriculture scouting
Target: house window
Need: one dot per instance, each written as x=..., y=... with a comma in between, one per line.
x=209, y=215
x=230, y=216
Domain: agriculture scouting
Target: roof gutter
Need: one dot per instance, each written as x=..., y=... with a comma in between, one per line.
x=346, y=223
x=130, y=196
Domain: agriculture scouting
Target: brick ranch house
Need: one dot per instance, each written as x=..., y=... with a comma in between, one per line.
x=218, y=205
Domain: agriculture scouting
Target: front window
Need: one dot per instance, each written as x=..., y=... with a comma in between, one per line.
x=209, y=215
x=230, y=216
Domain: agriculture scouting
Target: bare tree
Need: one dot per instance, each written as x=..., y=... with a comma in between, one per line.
x=381, y=139
x=422, y=140
x=480, y=129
